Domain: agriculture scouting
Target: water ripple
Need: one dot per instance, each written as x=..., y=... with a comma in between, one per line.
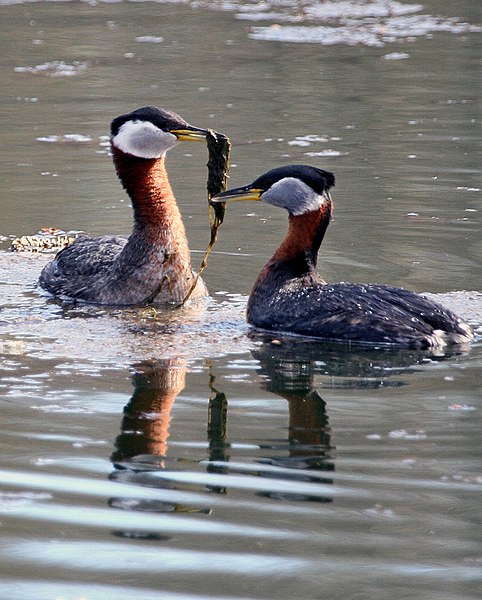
x=44, y=590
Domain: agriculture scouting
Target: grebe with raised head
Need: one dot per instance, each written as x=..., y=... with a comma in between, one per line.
x=290, y=296
x=153, y=264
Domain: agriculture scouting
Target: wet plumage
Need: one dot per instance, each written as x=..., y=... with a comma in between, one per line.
x=153, y=264
x=290, y=296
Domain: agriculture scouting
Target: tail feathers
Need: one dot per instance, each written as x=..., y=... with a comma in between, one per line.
x=440, y=338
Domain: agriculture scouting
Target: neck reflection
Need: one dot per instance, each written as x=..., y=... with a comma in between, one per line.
x=147, y=416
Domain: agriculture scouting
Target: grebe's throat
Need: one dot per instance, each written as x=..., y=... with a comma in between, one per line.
x=305, y=234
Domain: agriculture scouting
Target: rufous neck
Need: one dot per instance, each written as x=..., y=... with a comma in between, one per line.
x=147, y=184
x=304, y=237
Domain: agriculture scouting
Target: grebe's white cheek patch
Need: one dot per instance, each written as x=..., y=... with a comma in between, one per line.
x=293, y=195
x=143, y=139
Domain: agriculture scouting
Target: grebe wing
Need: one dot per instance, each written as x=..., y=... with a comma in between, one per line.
x=88, y=256
x=408, y=303
x=369, y=313
x=85, y=261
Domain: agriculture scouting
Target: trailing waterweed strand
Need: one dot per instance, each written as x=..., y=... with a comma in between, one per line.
x=219, y=148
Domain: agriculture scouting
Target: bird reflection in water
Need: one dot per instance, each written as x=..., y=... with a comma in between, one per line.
x=147, y=416
x=339, y=367
x=307, y=455
x=300, y=465
x=294, y=368
x=142, y=445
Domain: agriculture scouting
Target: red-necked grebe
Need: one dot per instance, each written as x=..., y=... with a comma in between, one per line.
x=153, y=264
x=290, y=296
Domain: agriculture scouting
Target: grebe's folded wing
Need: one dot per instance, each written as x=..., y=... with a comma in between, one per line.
x=87, y=256
x=370, y=313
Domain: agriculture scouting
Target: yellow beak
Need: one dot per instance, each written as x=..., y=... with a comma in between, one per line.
x=190, y=135
x=238, y=195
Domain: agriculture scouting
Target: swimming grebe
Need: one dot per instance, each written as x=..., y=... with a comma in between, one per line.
x=153, y=264
x=290, y=296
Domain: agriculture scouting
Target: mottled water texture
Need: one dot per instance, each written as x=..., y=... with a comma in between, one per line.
x=372, y=23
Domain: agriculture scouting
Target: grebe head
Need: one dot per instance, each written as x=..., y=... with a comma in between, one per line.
x=149, y=132
x=297, y=188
